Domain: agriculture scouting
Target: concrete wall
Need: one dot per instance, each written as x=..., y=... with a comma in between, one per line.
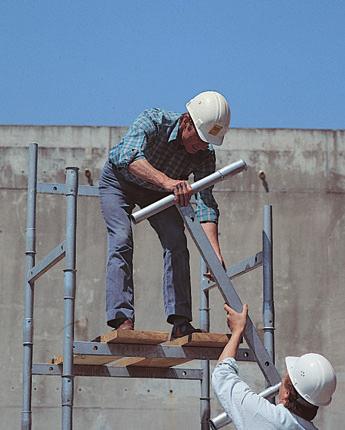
x=306, y=175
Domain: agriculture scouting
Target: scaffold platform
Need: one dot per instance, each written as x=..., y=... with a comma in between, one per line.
x=125, y=348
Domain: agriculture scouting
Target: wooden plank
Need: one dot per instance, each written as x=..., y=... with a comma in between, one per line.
x=210, y=340
x=161, y=362
x=134, y=336
x=87, y=359
x=128, y=361
x=122, y=361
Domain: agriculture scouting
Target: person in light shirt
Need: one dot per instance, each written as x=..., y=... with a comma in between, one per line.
x=309, y=383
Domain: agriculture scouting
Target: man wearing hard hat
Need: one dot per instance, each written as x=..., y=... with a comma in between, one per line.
x=309, y=382
x=155, y=157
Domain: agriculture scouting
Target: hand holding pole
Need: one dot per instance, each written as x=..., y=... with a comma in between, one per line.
x=202, y=184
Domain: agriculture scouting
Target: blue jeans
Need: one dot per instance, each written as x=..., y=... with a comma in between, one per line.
x=118, y=198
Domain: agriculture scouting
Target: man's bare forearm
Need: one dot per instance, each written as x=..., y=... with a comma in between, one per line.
x=211, y=230
x=145, y=171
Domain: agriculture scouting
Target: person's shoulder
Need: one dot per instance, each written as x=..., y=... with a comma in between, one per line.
x=161, y=117
x=164, y=116
x=148, y=118
x=285, y=416
x=305, y=425
x=154, y=120
x=156, y=116
x=159, y=114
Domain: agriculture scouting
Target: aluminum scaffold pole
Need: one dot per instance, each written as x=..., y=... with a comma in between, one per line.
x=205, y=400
x=67, y=389
x=29, y=288
x=267, y=264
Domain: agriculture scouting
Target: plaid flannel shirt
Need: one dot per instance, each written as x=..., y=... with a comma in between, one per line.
x=154, y=136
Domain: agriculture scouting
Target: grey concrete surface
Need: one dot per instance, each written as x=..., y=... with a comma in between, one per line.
x=305, y=172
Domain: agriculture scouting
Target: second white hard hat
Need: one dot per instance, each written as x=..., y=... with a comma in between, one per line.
x=313, y=377
x=210, y=113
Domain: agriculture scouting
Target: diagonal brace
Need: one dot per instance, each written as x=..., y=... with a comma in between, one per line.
x=49, y=261
x=228, y=292
x=244, y=266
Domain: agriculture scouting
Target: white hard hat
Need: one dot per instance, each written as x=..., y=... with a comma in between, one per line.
x=210, y=113
x=313, y=377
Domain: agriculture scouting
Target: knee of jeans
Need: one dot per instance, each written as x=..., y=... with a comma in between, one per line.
x=176, y=243
x=120, y=243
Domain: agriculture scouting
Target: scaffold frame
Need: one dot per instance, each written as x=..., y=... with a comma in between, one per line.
x=262, y=353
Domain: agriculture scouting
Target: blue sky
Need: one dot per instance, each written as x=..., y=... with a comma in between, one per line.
x=280, y=63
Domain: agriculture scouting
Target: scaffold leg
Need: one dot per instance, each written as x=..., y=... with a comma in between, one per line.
x=29, y=288
x=67, y=389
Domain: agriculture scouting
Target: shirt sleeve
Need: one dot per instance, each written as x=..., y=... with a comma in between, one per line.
x=206, y=205
x=224, y=380
x=246, y=408
x=132, y=145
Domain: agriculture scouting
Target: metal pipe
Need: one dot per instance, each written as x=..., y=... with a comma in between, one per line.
x=223, y=419
x=268, y=303
x=166, y=202
x=67, y=389
x=204, y=315
x=26, y=416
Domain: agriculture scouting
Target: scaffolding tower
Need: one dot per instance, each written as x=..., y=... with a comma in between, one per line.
x=150, y=355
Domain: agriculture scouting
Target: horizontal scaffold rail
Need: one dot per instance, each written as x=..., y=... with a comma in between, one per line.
x=83, y=190
x=120, y=372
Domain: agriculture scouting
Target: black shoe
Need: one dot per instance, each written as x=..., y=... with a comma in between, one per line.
x=126, y=325
x=121, y=324
x=183, y=329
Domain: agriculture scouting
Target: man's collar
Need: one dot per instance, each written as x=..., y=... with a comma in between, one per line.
x=174, y=133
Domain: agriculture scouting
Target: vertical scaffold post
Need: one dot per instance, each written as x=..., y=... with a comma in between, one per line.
x=267, y=262
x=67, y=389
x=29, y=287
x=205, y=405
